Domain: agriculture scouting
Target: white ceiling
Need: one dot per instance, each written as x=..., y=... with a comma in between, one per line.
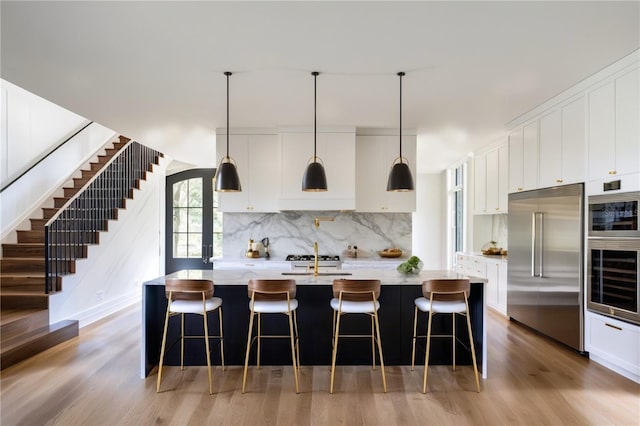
x=154, y=70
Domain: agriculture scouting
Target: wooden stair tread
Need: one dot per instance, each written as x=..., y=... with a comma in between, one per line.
x=22, y=293
x=26, y=345
x=10, y=315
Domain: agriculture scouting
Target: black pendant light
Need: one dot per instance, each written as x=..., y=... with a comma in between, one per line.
x=400, y=178
x=226, y=178
x=314, y=178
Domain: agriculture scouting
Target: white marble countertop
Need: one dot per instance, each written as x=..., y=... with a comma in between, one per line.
x=497, y=257
x=242, y=276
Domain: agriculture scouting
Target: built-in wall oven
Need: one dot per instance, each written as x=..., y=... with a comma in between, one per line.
x=614, y=215
x=613, y=256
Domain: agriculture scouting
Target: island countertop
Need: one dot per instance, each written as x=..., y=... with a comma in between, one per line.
x=326, y=277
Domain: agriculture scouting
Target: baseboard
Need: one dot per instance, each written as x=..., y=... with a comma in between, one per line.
x=98, y=312
x=611, y=366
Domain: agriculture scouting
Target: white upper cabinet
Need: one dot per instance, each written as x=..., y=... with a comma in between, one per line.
x=516, y=158
x=574, y=142
x=523, y=158
x=480, y=184
x=337, y=151
x=375, y=153
x=530, y=156
x=491, y=171
x=550, y=149
x=258, y=164
x=614, y=119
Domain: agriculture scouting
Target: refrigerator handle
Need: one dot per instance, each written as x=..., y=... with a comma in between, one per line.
x=541, y=245
x=536, y=231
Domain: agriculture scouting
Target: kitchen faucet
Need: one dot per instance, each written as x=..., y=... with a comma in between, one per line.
x=316, y=222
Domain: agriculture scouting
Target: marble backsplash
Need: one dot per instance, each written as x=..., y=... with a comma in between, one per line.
x=293, y=232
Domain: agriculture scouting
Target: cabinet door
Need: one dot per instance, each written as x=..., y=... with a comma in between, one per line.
x=503, y=178
x=258, y=165
x=264, y=173
x=573, y=142
x=530, y=156
x=550, y=149
x=480, y=184
x=492, y=284
x=502, y=287
x=627, y=109
x=493, y=179
x=374, y=156
x=516, y=156
x=370, y=183
x=338, y=153
x=400, y=202
x=602, y=132
x=239, y=152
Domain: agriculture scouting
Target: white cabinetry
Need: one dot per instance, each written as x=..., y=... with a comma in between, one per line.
x=491, y=173
x=337, y=150
x=614, y=122
x=258, y=164
x=562, y=145
x=480, y=184
x=613, y=343
x=523, y=158
x=494, y=270
x=375, y=153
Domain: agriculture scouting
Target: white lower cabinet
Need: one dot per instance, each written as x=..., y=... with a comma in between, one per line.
x=494, y=270
x=614, y=344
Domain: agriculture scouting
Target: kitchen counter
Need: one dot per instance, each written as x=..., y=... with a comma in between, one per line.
x=314, y=319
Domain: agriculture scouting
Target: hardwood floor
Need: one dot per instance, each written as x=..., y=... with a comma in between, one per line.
x=94, y=380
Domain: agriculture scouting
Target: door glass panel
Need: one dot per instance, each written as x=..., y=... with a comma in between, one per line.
x=614, y=278
x=187, y=218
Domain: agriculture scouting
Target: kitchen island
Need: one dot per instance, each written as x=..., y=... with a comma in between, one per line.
x=314, y=320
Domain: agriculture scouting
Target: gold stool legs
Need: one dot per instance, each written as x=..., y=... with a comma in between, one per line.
x=473, y=349
x=384, y=377
x=426, y=356
x=335, y=348
x=221, y=338
x=415, y=330
x=206, y=346
x=293, y=351
x=164, y=343
x=246, y=358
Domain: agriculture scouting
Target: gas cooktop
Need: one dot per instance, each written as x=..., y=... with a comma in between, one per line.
x=310, y=258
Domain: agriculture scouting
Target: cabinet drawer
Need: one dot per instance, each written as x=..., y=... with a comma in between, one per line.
x=619, y=342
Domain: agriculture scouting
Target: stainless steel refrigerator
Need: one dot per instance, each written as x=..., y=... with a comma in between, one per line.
x=545, y=269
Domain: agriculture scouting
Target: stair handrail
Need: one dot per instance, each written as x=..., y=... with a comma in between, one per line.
x=17, y=178
x=89, y=182
x=101, y=208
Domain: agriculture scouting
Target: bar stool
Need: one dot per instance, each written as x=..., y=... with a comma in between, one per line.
x=191, y=296
x=356, y=297
x=443, y=296
x=272, y=296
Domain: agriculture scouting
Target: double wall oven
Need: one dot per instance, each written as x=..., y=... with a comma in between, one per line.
x=613, y=256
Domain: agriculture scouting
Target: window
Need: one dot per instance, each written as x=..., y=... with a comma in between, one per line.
x=456, y=209
x=187, y=218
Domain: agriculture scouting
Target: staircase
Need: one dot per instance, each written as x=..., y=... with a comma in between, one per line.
x=32, y=268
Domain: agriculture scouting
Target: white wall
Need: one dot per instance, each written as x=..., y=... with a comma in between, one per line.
x=31, y=126
x=130, y=253
x=429, y=224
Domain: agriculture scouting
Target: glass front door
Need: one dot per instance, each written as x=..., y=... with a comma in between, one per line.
x=193, y=222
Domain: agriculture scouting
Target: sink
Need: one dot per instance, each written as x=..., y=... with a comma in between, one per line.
x=324, y=274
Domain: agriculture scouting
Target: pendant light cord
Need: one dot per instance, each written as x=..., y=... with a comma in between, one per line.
x=315, y=91
x=401, y=74
x=227, y=73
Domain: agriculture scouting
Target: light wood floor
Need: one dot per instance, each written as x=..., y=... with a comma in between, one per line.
x=94, y=380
